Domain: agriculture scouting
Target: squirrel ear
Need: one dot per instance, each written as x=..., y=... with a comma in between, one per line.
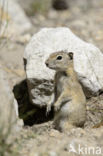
x=70, y=54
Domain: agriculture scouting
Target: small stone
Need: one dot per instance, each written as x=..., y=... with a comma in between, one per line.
x=54, y=133
x=52, y=153
x=23, y=39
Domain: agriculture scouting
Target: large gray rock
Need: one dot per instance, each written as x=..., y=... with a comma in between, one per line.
x=8, y=108
x=88, y=62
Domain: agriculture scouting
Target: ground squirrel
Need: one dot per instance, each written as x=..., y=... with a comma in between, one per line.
x=70, y=101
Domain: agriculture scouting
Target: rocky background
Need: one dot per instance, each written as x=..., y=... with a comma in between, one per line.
x=25, y=129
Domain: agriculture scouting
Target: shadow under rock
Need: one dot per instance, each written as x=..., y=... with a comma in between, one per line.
x=30, y=113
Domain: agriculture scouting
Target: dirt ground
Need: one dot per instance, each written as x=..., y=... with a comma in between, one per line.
x=86, y=21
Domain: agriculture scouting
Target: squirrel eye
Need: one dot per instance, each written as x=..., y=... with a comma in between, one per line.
x=59, y=58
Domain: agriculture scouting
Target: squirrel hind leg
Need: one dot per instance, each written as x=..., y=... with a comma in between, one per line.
x=63, y=125
x=66, y=126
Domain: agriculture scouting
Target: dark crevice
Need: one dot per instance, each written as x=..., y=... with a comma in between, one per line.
x=30, y=113
x=60, y=4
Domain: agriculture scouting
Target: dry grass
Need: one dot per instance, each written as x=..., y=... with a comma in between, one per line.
x=4, y=19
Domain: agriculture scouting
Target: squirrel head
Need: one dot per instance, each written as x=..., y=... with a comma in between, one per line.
x=60, y=61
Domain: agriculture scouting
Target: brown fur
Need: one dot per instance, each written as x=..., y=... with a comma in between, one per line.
x=69, y=105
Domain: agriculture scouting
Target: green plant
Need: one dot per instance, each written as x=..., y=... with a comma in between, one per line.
x=39, y=6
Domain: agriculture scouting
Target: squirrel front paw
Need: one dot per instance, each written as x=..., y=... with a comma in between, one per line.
x=48, y=109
